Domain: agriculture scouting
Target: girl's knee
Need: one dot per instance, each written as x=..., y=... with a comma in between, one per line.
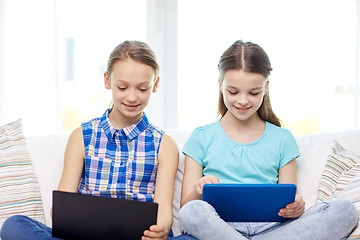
x=341, y=205
x=195, y=211
x=14, y=220
x=10, y=225
x=345, y=208
x=195, y=208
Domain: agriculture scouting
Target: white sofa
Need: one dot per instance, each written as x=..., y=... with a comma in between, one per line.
x=47, y=154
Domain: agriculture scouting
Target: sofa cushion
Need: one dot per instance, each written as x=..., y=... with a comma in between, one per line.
x=19, y=189
x=338, y=166
x=314, y=150
x=341, y=179
x=348, y=187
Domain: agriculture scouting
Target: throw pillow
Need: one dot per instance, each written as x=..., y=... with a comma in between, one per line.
x=341, y=179
x=338, y=163
x=348, y=187
x=19, y=189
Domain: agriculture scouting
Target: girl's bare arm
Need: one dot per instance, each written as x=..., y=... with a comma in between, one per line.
x=287, y=174
x=164, y=189
x=193, y=181
x=73, y=163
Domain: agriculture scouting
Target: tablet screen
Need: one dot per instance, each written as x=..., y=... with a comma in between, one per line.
x=249, y=202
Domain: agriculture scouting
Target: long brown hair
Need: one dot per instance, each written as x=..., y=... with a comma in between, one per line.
x=248, y=57
x=135, y=50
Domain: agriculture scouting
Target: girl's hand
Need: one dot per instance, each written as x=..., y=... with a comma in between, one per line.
x=155, y=232
x=205, y=180
x=293, y=210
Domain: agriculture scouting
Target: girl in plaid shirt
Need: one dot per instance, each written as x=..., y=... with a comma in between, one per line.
x=120, y=154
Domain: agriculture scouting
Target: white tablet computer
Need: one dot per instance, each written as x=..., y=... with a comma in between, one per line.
x=249, y=202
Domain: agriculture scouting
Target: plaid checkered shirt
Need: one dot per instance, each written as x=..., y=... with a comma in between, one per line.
x=120, y=163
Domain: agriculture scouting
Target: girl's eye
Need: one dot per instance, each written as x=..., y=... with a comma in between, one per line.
x=144, y=89
x=232, y=93
x=254, y=94
x=121, y=88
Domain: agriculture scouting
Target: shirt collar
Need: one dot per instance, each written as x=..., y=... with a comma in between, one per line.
x=130, y=132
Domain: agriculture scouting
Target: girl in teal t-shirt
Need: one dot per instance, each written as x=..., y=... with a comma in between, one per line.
x=260, y=160
x=248, y=145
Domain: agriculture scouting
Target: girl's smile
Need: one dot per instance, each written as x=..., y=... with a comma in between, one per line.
x=242, y=109
x=131, y=107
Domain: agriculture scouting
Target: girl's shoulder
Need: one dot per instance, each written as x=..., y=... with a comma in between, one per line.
x=200, y=139
x=206, y=132
x=91, y=122
x=273, y=130
x=155, y=129
x=207, y=129
x=90, y=127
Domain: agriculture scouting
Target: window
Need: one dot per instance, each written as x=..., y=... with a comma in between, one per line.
x=28, y=86
x=87, y=33
x=54, y=54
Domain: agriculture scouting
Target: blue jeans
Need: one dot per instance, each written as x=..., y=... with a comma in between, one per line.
x=20, y=227
x=329, y=220
x=24, y=228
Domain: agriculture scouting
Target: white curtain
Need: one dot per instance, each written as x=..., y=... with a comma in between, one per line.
x=28, y=77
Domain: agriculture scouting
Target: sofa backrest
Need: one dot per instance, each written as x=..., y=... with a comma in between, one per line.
x=47, y=153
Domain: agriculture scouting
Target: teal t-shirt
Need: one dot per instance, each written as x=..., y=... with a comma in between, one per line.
x=232, y=162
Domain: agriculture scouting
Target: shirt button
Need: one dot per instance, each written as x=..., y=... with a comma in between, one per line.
x=118, y=181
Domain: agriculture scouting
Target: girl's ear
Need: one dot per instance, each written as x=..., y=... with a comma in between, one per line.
x=156, y=84
x=107, y=80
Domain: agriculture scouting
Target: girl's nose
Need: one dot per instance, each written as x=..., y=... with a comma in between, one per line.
x=243, y=101
x=131, y=96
